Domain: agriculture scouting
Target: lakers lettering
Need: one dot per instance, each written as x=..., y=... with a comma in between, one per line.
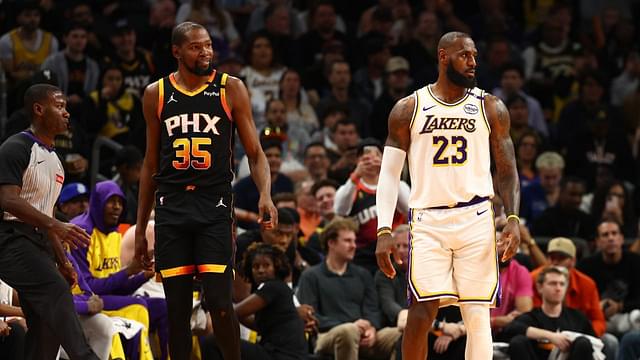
x=194, y=122
x=110, y=263
x=446, y=123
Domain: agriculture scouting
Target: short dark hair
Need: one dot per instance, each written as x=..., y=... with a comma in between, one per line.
x=314, y=144
x=573, y=180
x=511, y=66
x=323, y=183
x=37, y=93
x=609, y=219
x=268, y=143
x=179, y=33
x=73, y=25
x=514, y=99
x=331, y=231
x=344, y=122
x=284, y=196
x=551, y=270
x=128, y=156
x=280, y=260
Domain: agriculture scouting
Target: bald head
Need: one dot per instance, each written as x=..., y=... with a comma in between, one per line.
x=447, y=40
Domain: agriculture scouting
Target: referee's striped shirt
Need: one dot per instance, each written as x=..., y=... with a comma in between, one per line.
x=35, y=168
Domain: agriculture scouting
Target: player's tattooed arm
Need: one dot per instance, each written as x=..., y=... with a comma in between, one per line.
x=399, y=123
x=503, y=153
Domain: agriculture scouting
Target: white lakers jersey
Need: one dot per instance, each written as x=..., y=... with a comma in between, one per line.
x=449, y=156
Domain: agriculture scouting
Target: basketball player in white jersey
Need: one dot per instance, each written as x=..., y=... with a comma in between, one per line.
x=448, y=131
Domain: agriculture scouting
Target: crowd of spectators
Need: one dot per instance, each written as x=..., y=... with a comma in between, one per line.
x=323, y=76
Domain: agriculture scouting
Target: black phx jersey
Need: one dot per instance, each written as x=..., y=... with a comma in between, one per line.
x=196, y=135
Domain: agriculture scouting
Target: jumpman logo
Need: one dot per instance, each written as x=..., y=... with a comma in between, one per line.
x=220, y=203
x=171, y=99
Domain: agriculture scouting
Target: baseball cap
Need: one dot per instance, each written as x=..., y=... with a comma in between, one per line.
x=72, y=191
x=121, y=26
x=562, y=245
x=396, y=63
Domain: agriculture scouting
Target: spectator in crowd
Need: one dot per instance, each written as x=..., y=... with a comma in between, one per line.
x=77, y=73
x=625, y=84
x=356, y=198
x=512, y=83
x=630, y=346
x=259, y=18
x=582, y=292
x=543, y=192
x=334, y=114
x=217, y=21
x=368, y=80
x=615, y=271
x=527, y=150
x=138, y=69
x=534, y=334
x=99, y=264
x=294, y=138
x=278, y=24
x=307, y=208
x=322, y=30
x=397, y=82
x=128, y=164
x=83, y=14
x=339, y=77
x=73, y=201
x=24, y=49
x=565, y=218
x=601, y=143
x=262, y=74
x=421, y=49
x=613, y=201
x=13, y=325
x=497, y=55
x=316, y=161
x=246, y=192
x=324, y=192
x=345, y=299
x=343, y=158
x=300, y=113
x=162, y=19
x=518, y=114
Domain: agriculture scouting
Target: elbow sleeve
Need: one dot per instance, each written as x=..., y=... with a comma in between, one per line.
x=388, y=184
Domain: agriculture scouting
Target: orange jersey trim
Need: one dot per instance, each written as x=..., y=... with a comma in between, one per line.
x=177, y=271
x=212, y=268
x=223, y=96
x=160, y=97
x=172, y=78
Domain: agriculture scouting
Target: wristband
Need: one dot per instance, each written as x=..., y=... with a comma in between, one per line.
x=513, y=216
x=354, y=178
x=384, y=230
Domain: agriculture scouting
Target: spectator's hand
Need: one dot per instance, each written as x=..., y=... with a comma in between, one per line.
x=561, y=341
x=368, y=337
x=401, y=323
x=142, y=259
x=95, y=304
x=384, y=247
x=509, y=240
x=452, y=329
x=68, y=272
x=362, y=324
x=5, y=329
x=307, y=314
x=70, y=234
x=442, y=343
x=611, y=307
x=267, y=212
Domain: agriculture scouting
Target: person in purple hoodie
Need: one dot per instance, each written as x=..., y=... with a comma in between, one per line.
x=99, y=263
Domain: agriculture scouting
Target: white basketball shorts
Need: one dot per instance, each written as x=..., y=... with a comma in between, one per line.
x=452, y=255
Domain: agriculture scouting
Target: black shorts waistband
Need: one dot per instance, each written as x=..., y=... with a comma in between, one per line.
x=216, y=189
x=475, y=200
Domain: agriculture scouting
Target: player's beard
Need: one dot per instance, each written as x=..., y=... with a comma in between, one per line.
x=459, y=79
x=199, y=71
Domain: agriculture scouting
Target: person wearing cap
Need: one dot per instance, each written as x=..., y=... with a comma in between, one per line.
x=137, y=65
x=356, y=198
x=397, y=81
x=582, y=293
x=533, y=335
x=73, y=200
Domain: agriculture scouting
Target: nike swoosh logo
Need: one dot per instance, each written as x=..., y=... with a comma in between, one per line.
x=40, y=162
x=481, y=212
x=427, y=108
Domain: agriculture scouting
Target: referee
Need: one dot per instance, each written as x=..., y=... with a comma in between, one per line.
x=31, y=177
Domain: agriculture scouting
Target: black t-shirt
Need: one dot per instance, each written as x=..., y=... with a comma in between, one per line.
x=279, y=325
x=77, y=74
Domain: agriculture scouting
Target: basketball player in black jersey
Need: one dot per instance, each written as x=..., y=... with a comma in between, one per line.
x=191, y=116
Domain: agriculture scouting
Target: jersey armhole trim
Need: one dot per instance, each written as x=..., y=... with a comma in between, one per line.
x=483, y=96
x=223, y=96
x=160, y=97
x=415, y=109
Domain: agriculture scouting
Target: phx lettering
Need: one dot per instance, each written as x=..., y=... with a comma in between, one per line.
x=435, y=123
x=192, y=123
x=109, y=263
